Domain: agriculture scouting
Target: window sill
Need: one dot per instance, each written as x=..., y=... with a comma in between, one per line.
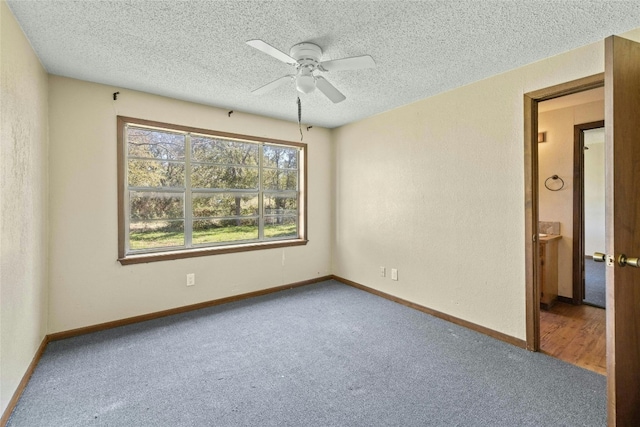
x=192, y=253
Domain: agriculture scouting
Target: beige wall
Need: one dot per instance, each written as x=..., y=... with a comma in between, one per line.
x=436, y=189
x=555, y=157
x=23, y=204
x=87, y=284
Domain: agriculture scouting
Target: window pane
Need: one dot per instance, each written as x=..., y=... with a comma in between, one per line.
x=151, y=173
x=156, y=234
x=280, y=226
x=146, y=205
x=221, y=177
x=280, y=204
x=223, y=151
x=155, y=144
x=224, y=230
x=208, y=205
x=274, y=179
x=280, y=157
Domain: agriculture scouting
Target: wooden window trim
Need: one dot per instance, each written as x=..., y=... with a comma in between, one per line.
x=217, y=250
x=125, y=259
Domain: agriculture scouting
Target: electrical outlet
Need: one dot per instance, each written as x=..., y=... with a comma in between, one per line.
x=394, y=274
x=191, y=279
x=383, y=272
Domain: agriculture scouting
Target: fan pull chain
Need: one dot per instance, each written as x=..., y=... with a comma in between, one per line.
x=300, y=118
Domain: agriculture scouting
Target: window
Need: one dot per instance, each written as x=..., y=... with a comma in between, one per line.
x=186, y=192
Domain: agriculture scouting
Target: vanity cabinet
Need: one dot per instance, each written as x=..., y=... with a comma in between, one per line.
x=548, y=270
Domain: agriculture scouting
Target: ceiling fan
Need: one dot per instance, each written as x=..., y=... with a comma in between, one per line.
x=305, y=57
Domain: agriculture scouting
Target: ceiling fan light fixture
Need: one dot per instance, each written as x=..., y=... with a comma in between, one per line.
x=305, y=81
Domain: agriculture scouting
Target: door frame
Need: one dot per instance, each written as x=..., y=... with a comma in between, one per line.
x=578, y=208
x=531, y=202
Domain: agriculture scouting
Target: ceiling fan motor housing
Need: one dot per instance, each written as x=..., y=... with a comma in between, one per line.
x=306, y=53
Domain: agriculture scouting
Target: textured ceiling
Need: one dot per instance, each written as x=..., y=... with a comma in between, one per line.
x=196, y=51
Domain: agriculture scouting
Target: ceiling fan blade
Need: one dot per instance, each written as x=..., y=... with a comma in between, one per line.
x=270, y=50
x=329, y=90
x=353, y=63
x=274, y=84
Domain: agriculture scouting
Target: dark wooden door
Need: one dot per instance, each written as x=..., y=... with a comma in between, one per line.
x=622, y=129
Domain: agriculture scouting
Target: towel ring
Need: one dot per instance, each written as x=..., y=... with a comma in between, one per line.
x=554, y=177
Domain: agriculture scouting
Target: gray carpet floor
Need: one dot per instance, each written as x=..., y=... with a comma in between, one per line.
x=321, y=355
x=594, y=283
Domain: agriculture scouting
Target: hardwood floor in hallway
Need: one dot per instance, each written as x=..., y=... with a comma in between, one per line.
x=575, y=334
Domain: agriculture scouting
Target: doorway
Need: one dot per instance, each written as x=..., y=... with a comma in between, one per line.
x=589, y=285
x=569, y=331
x=531, y=149
x=532, y=253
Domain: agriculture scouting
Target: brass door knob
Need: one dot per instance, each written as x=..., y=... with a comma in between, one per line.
x=624, y=260
x=599, y=257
